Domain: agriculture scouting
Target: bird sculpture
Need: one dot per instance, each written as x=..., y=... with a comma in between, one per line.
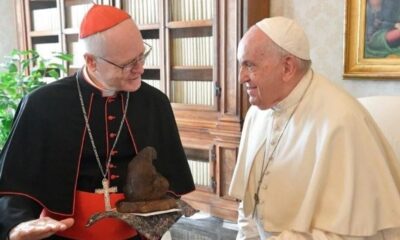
x=145, y=191
x=143, y=182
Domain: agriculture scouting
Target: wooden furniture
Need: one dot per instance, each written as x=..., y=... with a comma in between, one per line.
x=193, y=61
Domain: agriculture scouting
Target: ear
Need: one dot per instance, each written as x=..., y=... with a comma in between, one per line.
x=289, y=67
x=90, y=61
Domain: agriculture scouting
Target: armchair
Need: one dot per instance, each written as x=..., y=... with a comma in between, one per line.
x=386, y=112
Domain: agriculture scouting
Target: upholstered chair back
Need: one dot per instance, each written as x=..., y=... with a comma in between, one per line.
x=386, y=112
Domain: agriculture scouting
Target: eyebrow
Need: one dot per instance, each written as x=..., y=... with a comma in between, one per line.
x=246, y=62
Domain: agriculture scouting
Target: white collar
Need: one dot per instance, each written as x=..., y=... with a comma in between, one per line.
x=295, y=95
x=105, y=92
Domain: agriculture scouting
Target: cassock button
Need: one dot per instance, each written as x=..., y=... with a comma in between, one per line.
x=110, y=117
x=112, y=166
x=114, y=152
x=114, y=177
x=266, y=173
x=265, y=187
x=112, y=135
x=111, y=99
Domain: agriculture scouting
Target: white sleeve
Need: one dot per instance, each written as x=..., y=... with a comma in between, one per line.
x=247, y=226
x=314, y=235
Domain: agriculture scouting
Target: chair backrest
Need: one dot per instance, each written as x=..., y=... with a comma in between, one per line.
x=386, y=112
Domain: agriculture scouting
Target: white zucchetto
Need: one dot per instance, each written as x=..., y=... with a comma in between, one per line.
x=287, y=34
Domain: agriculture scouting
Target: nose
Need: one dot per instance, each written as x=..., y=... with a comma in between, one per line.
x=243, y=76
x=138, y=68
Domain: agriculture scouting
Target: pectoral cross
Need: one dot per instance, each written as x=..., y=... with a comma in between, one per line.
x=106, y=190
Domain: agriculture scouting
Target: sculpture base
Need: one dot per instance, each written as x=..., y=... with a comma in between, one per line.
x=124, y=206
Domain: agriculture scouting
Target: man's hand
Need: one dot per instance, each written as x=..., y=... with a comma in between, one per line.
x=39, y=228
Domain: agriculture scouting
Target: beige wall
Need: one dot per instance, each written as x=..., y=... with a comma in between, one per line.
x=323, y=20
x=8, y=29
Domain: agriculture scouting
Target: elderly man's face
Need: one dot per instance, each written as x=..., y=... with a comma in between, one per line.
x=260, y=69
x=124, y=45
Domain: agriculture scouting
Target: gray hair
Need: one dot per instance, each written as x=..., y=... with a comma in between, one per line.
x=93, y=44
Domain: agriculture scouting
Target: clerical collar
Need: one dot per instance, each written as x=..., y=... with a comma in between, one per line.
x=296, y=94
x=105, y=92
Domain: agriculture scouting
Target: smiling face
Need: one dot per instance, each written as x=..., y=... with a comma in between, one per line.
x=121, y=45
x=261, y=69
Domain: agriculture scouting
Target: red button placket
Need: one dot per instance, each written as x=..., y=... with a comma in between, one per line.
x=111, y=137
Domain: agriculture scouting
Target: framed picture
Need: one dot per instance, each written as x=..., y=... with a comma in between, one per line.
x=372, y=39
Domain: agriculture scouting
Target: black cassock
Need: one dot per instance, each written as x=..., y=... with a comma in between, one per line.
x=49, y=155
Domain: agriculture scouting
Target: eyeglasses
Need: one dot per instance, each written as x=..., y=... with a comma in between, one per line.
x=134, y=63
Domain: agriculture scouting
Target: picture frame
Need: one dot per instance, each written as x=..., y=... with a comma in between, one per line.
x=361, y=57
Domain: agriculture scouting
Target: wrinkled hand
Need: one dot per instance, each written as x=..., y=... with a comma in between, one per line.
x=39, y=228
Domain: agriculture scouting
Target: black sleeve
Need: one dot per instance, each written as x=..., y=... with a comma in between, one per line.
x=14, y=210
x=175, y=161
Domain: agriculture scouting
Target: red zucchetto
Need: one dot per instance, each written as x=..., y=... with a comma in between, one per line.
x=100, y=18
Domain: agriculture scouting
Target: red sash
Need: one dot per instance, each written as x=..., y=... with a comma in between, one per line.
x=87, y=204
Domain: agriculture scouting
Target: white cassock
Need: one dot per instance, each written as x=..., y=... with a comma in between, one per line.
x=332, y=176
